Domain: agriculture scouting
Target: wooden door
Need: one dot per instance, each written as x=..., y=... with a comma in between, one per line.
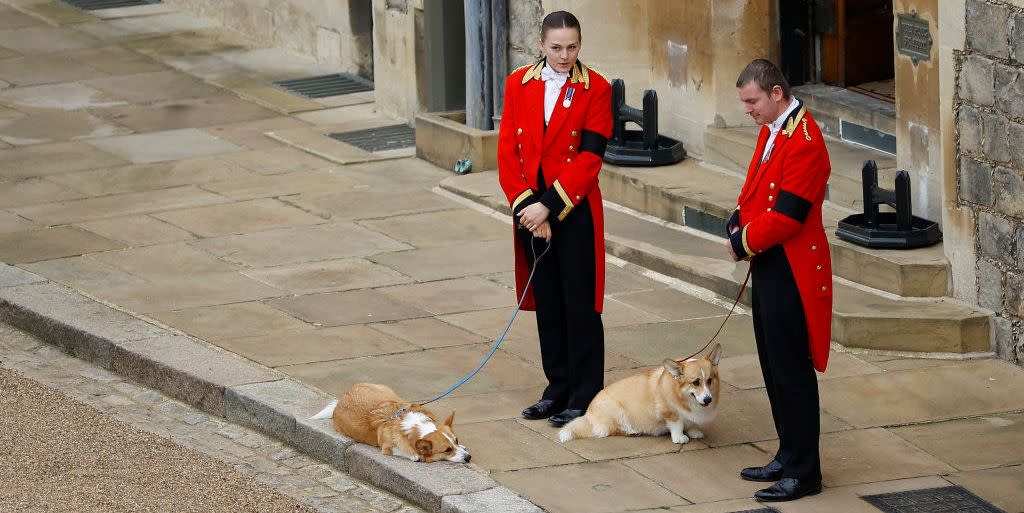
x=860, y=49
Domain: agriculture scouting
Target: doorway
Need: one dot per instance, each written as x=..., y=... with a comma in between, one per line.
x=843, y=43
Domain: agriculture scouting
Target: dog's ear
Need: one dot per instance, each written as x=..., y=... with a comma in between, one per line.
x=716, y=355
x=451, y=418
x=672, y=367
x=424, y=446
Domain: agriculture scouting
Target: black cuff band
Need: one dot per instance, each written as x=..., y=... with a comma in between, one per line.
x=593, y=142
x=736, y=240
x=734, y=220
x=793, y=206
x=554, y=202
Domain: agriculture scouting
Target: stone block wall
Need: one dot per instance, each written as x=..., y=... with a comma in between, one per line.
x=989, y=104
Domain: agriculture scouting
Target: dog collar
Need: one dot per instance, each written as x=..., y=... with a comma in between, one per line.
x=398, y=413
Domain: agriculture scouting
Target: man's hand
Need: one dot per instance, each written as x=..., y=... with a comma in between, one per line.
x=533, y=216
x=728, y=244
x=543, y=231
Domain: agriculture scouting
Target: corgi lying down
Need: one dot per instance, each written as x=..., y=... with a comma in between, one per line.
x=375, y=415
x=669, y=398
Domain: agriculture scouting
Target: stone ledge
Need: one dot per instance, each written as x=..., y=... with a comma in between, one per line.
x=488, y=501
x=424, y=484
x=443, y=138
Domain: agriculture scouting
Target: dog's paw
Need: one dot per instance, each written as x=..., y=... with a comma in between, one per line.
x=680, y=438
x=695, y=434
x=564, y=435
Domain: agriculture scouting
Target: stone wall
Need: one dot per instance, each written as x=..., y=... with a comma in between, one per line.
x=989, y=102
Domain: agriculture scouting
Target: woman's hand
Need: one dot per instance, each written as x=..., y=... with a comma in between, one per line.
x=543, y=231
x=533, y=216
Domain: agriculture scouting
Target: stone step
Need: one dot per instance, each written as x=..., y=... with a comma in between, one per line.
x=700, y=196
x=862, y=317
x=731, y=148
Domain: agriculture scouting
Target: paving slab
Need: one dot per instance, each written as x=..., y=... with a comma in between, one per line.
x=745, y=416
x=11, y=19
x=490, y=323
x=703, y=476
x=33, y=190
x=25, y=71
x=848, y=499
x=118, y=205
x=924, y=394
x=338, y=115
x=671, y=304
x=57, y=13
x=421, y=375
x=7, y=54
x=49, y=127
x=278, y=160
x=278, y=185
x=612, y=447
x=143, y=25
x=191, y=113
x=263, y=63
x=82, y=273
x=213, y=323
x=187, y=370
x=459, y=226
x=528, y=349
x=620, y=281
x=45, y=39
x=651, y=343
x=48, y=243
x=251, y=133
x=596, y=488
x=328, y=276
x=300, y=245
x=149, y=10
x=176, y=259
x=375, y=203
x=144, y=177
x=242, y=217
x=970, y=444
x=488, y=406
x=11, y=276
x=304, y=346
x=452, y=296
x=428, y=332
x=65, y=96
x=744, y=371
x=348, y=307
x=114, y=60
x=14, y=223
x=136, y=231
x=153, y=87
x=1000, y=486
x=869, y=455
x=48, y=159
x=729, y=506
x=520, y=448
x=260, y=91
x=165, y=145
x=160, y=294
x=192, y=42
x=316, y=141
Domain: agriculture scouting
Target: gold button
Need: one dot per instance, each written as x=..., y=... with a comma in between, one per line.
x=568, y=160
x=522, y=175
x=814, y=248
x=769, y=209
x=520, y=146
x=521, y=161
x=571, y=147
x=819, y=267
x=770, y=197
x=520, y=131
x=577, y=197
x=823, y=289
x=574, y=133
x=771, y=185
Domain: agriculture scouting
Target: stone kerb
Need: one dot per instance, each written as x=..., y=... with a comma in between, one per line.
x=231, y=387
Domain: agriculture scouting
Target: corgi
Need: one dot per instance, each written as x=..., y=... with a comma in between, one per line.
x=375, y=415
x=673, y=398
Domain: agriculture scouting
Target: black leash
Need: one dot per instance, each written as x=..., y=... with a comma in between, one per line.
x=731, y=310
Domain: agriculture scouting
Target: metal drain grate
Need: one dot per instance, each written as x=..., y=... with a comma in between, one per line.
x=325, y=85
x=95, y=5
x=947, y=499
x=383, y=138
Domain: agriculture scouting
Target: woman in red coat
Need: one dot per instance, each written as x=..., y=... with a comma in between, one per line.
x=554, y=129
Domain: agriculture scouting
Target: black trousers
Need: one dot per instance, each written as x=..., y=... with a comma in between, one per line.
x=780, y=329
x=570, y=330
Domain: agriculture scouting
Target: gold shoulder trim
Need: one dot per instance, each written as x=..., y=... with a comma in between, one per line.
x=792, y=122
x=533, y=72
x=743, y=239
x=580, y=73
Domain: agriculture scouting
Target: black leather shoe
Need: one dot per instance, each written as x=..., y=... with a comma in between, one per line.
x=789, y=489
x=766, y=474
x=542, y=409
x=563, y=418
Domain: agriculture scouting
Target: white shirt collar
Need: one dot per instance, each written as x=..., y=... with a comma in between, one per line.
x=776, y=125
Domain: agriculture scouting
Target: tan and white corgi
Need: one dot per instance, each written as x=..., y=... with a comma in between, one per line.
x=671, y=398
x=375, y=415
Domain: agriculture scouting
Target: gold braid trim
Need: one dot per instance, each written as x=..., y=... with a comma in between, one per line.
x=565, y=199
x=522, y=197
x=746, y=247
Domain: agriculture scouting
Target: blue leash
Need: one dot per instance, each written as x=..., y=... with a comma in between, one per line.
x=497, y=343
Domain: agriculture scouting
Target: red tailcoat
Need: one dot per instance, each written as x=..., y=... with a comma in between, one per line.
x=781, y=204
x=570, y=152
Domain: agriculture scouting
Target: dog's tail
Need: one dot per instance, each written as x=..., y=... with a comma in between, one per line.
x=326, y=413
x=580, y=427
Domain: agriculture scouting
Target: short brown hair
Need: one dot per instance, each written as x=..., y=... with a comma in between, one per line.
x=557, y=20
x=765, y=74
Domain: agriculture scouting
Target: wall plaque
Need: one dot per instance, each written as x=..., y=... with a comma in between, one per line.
x=913, y=37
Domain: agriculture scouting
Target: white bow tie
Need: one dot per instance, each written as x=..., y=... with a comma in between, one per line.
x=548, y=73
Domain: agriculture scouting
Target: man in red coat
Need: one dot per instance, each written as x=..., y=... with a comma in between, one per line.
x=554, y=129
x=777, y=227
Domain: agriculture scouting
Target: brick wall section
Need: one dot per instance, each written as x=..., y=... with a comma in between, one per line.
x=990, y=149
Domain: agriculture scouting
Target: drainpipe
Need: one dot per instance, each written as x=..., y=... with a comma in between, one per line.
x=499, y=47
x=479, y=102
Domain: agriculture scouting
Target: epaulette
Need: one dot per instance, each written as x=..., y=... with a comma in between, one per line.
x=580, y=73
x=533, y=72
x=795, y=120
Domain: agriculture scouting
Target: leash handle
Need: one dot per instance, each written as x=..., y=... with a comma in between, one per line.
x=731, y=310
x=494, y=348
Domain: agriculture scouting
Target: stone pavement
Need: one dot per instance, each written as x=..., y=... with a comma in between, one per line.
x=146, y=165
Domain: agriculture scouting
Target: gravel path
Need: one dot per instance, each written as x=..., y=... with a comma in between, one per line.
x=62, y=455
